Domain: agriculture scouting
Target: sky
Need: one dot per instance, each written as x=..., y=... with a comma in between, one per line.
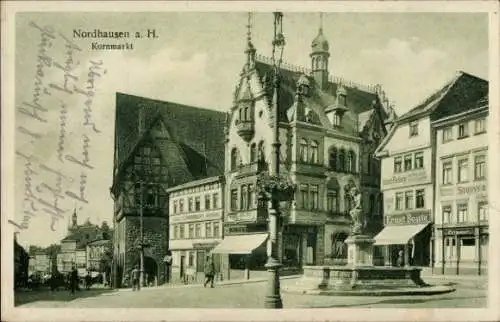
x=195, y=60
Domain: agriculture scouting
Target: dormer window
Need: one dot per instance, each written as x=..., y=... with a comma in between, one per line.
x=337, y=119
x=413, y=129
x=343, y=100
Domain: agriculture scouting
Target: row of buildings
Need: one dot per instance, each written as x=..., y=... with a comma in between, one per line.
x=190, y=176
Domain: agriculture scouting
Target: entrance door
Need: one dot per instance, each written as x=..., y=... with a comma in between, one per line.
x=183, y=264
x=311, y=249
x=200, y=260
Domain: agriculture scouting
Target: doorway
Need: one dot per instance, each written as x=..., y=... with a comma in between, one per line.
x=182, y=265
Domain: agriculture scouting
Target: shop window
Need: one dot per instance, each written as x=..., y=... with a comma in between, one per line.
x=463, y=170
x=399, y=201
x=419, y=160
x=468, y=242
x=420, y=200
x=197, y=204
x=480, y=167
x=332, y=200
x=407, y=162
x=253, y=152
x=462, y=215
x=215, y=200
x=413, y=129
x=398, y=164
x=463, y=130
x=447, y=214
x=447, y=134
x=314, y=197
x=207, y=202
x=447, y=173
x=303, y=150
x=234, y=199
x=314, y=152
x=483, y=210
x=479, y=126
x=409, y=200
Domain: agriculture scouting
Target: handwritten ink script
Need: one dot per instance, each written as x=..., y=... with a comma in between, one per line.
x=56, y=167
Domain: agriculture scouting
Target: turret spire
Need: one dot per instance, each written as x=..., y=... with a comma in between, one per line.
x=250, y=50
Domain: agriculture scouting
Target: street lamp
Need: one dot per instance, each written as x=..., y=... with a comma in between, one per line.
x=273, y=296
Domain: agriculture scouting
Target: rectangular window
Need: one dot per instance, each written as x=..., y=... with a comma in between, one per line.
x=176, y=232
x=234, y=199
x=215, y=200
x=468, y=242
x=462, y=215
x=480, y=167
x=208, y=229
x=182, y=232
x=447, y=214
x=304, y=192
x=244, y=198
x=175, y=207
x=191, y=230
x=331, y=199
x=251, y=196
x=197, y=231
x=181, y=205
x=197, y=204
x=447, y=172
x=216, y=230
x=314, y=197
x=420, y=200
x=463, y=170
x=190, y=204
x=399, y=201
x=463, y=130
x=447, y=134
x=408, y=162
x=409, y=200
x=398, y=164
x=207, y=202
x=480, y=126
x=482, y=210
x=419, y=160
x=413, y=129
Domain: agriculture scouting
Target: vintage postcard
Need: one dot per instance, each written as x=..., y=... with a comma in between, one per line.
x=265, y=160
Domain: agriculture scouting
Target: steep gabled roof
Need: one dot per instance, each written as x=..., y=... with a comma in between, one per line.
x=196, y=132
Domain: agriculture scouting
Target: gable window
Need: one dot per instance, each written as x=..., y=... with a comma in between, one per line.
x=480, y=167
x=447, y=134
x=399, y=201
x=463, y=170
x=419, y=160
x=407, y=162
x=463, y=130
x=420, y=200
x=398, y=164
x=413, y=129
x=479, y=126
x=332, y=200
x=253, y=152
x=447, y=172
x=314, y=152
x=337, y=119
x=332, y=159
x=303, y=150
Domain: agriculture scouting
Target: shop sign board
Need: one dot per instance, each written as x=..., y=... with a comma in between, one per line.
x=463, y=190
x=242, y=216
x=410, y=218
x=196, y=217
x=459, y=231
x=406, y=178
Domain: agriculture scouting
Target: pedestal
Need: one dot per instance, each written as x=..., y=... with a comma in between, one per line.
x=359, y=250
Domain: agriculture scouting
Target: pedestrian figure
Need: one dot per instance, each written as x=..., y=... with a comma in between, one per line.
x=73, y=280
x=88, y=280
x=400, y=262
x=135, y=279
x=209, y=272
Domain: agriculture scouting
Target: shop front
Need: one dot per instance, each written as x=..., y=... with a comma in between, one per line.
x=299, y=246
x=406, y=239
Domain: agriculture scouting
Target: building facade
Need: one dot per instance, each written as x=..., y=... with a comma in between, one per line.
x=95, y=252
x=411, y=161
x=196, y=221
x=40, y=262
x=157, y=145
x=328, y=129
x=461, y=219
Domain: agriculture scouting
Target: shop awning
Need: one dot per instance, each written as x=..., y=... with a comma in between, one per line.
x=398, y=235
x=242, y=244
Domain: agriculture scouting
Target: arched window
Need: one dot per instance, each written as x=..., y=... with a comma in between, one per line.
x=253, y=152
x=303, y=150
x=314, y=152
x=351, y=161
x=234, y=158
x=240, y=112
x=261, y=153
x=341, y=164
x=332, y=158
x=246, y=116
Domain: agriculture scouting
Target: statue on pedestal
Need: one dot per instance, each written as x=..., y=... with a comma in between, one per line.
x=356, y=212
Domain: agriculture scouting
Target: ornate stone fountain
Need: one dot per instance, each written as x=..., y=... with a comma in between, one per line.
x=360, y=277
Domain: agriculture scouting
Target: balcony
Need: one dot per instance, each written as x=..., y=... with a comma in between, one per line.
x=245, y=129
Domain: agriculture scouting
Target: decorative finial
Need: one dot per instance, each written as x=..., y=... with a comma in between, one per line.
x=250, y=51
x=321, y=22
x=249, y=28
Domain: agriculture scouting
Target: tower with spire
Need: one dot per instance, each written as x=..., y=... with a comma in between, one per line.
x=320, y=53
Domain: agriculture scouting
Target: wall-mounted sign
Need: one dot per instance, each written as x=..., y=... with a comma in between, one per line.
x=242, y=216
x=407, y=178
x=411, y=218
x=459, y=231
x=196, y=217
x=205, y=245
x=472, y=189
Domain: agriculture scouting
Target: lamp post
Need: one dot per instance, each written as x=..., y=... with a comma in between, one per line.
x=273, y=296
x=141, y=234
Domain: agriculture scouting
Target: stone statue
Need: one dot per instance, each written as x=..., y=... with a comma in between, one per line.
x=356, y=212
